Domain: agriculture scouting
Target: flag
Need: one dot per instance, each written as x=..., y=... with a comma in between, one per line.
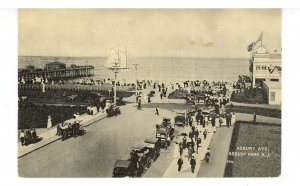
x=260, y=37
x=250, y=47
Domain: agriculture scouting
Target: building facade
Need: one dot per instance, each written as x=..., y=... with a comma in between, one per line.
x=265, y=71
x=273, y=92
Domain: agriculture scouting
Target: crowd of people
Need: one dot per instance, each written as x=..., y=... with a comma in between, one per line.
x=198, y=131
x=28, y=136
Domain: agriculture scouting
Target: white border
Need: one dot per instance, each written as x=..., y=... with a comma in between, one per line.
x=290, y=145
x=150, y=4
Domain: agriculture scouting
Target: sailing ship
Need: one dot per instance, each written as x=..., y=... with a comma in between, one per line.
x=117, y=60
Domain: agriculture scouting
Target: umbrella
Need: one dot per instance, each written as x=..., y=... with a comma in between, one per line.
x=183, y=134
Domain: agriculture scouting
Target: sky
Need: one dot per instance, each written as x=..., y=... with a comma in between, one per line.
x=204, y=33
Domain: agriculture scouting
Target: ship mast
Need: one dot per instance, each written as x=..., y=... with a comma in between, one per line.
x=114, y=63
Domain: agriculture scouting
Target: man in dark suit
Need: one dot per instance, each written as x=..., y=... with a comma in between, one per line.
x=193, y=164
x=179, y=163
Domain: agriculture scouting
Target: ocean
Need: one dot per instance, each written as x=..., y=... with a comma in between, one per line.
x=155, y=68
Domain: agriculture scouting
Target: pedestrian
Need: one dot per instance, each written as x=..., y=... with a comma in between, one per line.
x=206, y=120
x=217, y=121
x=193, y=164
x=233, y=119
x=49, y=122
x=190, y=121
x=205, y=134
x=198, y=143
x=34, y=135
x=184, y=142
x=254, y=117
x=196, y=134
x=213, y=121
x=190, y=152
x=157, y=110
x=161, y=96
x=22, y=137
x=180, y=148
x=227, y=120
x=168, y=141
x=27, y=137
x=179, y=163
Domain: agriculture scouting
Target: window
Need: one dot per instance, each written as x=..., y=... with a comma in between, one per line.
x=272, y=96
x=264, y=67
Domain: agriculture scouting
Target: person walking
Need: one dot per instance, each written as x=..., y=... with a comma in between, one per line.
x=22, y=137
x=180, y=148
x=254, y=117
x=196, y=132
x=233, y=119
x=184, y=142
x=179, y=163
x=227, y=119
x=168, y=141
x=49, y=122
x=193, y=164
x=217, y=121
x=157, y=110
x=206, y=121
x=205, y=134
x=198, y=143
x=190, y=152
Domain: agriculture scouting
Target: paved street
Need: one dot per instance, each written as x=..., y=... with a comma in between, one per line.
x=94, y=154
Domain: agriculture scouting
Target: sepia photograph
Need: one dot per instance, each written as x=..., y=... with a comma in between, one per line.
x=149, y=93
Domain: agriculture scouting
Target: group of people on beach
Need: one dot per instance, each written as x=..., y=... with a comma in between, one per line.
x=28, y=136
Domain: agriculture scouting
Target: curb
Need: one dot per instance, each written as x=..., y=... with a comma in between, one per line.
x=86, y=124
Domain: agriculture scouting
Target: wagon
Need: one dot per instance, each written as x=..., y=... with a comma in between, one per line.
x=154, y=150
x=123, y=168
x=180, y=119
x=113, y=110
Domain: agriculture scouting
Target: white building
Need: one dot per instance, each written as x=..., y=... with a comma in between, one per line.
x=265, y=71
x=265, y=66
x=273, y=92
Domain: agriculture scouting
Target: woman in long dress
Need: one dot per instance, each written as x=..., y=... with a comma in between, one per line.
x=233, y=119
x=49, y=123
x=224, y=121
x=217, y=122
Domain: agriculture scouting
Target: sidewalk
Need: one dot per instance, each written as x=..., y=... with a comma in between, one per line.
x=219, y=147
x=186, y=172
x=50, y=136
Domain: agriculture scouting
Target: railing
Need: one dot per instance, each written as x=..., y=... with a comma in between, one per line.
x=76, y=87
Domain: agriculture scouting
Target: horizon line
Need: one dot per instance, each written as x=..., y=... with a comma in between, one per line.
x=136, y=57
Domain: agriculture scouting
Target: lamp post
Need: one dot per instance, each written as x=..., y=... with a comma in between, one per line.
x=136, y=84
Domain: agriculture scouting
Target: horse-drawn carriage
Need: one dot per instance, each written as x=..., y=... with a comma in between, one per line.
x=154, y=150
x=113, y=110
x=180, y=119
x=70, y=130
x=165, y=134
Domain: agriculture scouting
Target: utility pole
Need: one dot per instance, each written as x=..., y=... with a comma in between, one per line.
x=136, y=84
